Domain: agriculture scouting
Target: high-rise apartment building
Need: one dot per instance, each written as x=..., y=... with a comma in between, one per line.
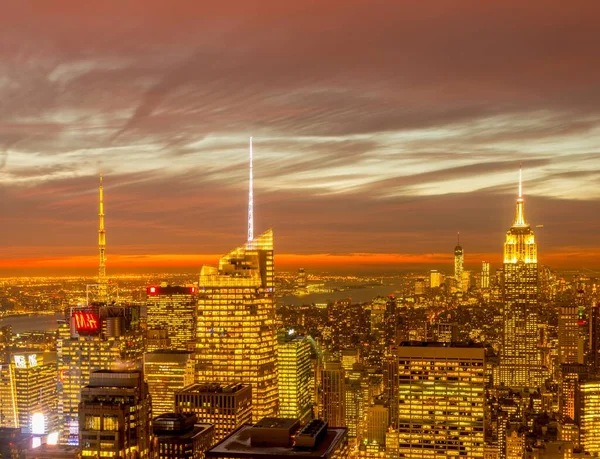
x=167, y=372
x=333, y=394
x=357, y=399
x=459, y=259
x=96, y=338
x=296, y=382
x=441, y=400
x=172, y=308
x=227, y=407
x=520, y=357
x=236, y=338
x=115, y=416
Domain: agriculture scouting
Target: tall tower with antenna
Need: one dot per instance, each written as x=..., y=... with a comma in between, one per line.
x=520, y=357
x=102, y=281
x=251, y=199
x=236, y=334
x=459, y=259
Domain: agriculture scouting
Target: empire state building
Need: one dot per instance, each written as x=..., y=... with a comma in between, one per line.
x=520, y=357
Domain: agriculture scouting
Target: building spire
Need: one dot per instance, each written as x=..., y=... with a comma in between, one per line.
x=250, y=200
x=521, y=180
x=520, y=214
x=458, y=238
x=101, y=237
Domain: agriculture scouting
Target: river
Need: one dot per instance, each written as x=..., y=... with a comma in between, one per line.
x=34, y=322
x=358, y=295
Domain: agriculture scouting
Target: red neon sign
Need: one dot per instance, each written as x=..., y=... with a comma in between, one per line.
x=152, y=290
x=86, y=321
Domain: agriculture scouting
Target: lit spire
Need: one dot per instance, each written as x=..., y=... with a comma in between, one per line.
x=250, y=200
x=520, y=180
x=101, y=237
x=520, y=214
x=458, y=238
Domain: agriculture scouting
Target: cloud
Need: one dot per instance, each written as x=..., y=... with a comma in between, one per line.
x=379, y=127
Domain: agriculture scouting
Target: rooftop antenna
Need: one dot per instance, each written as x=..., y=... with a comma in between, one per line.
x=250, y=200
x=520, y=180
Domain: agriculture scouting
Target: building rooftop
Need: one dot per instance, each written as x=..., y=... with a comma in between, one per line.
x=238, y=445
x=216, y=388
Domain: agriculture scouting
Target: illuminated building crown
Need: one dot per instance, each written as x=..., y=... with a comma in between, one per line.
x=520, y=245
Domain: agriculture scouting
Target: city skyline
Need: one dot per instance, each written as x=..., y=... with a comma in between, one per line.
x=376, y=170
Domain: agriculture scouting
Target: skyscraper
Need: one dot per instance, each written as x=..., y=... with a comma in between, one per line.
x=333, y=394
x=459, y=258
x=589, y=419
x=236, y=339
x=227, y=407
x=31, y=395
x=166, y=372
x=115, y=416
x=520, y=358
x=296, y=384
x=441, y=401
x=568, y=335
x=172, y=308
x=485, y=274
x=97, y=338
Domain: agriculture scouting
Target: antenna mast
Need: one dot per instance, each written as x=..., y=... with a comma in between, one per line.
x=101, y=238
x=250, y=200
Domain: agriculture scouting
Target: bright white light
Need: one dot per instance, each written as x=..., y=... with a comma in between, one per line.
x=38, y=424
x=52, y=438
x=291, y=331
x=35, y=442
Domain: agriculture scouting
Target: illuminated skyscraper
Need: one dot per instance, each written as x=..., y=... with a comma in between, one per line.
x=227, y=407
x=172, y=308
x=520, y=357
x=485, y=274
x=236, y=338
x=30, y=398
x=296, y=383
x=435, y=278
x=589, y=419
x=333, y=394
x=96, y=338
x=568, y=335
x=115, y=416
x=166, y=372
x=459, y=258
x=441, y=399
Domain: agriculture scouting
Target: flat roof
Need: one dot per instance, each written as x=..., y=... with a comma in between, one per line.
x=238, y=445
x=215, y=388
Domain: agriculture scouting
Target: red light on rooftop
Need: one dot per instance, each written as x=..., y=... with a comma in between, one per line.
x=152, y=290
x=193, y=290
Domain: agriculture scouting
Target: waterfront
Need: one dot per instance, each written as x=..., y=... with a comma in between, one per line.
x=357, y=295
x=32, y=322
